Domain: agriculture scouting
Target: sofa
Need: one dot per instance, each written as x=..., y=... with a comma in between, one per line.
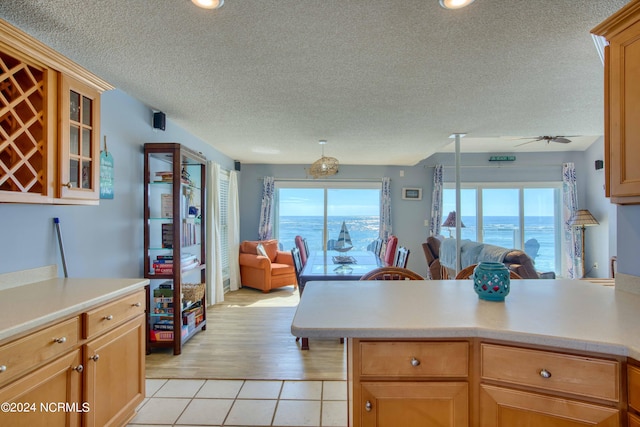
x=474, y=252
x=263, y=266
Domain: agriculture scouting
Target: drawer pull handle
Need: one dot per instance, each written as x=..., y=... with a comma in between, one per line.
x=368, y=406
x=60, y=340
x=95, y=357
x=79, y=368
x=136, y=304
x=545, y=374
x=3, y=368
x=415, y=362
x=109, y=317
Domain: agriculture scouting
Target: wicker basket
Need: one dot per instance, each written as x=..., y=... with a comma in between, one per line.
x=193, y=291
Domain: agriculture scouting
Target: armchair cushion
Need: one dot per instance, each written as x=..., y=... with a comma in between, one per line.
x=251, y=247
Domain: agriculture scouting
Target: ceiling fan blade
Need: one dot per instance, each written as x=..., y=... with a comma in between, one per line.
x=525, y=143
x=561, y=140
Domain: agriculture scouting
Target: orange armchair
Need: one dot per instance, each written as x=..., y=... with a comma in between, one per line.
x=265, y=272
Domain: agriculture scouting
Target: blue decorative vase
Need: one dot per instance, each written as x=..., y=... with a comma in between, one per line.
x=491, y=281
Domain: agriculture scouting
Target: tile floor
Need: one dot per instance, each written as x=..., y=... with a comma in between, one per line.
x=242, y=403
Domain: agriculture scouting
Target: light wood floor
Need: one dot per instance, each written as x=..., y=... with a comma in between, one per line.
x=248, y=336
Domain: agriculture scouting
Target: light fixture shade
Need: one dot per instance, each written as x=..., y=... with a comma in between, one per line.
x=455, y=4
x=582, y=218
x=208, y=4
x=451, y=220
x=324, y=166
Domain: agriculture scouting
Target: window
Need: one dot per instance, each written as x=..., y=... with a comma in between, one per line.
x=519, y=216
x=316, y=211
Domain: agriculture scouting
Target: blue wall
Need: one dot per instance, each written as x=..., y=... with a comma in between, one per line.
x=104, y=240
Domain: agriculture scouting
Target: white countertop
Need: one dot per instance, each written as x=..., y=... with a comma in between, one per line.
x=570, y=314
x=36, y=304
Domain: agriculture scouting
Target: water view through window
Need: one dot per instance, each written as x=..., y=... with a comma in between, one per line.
x=514, y=218
x=301, y=211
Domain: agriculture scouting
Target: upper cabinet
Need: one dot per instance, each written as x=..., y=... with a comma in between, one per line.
x=622, y=103
x=49, y=124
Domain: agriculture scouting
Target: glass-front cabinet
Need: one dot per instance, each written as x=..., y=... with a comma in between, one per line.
x=79, y=140
x=174, y=241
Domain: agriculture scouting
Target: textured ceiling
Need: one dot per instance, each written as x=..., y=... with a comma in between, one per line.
x=384, y=81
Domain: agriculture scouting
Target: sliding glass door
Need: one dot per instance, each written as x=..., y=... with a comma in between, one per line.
x=316, y=211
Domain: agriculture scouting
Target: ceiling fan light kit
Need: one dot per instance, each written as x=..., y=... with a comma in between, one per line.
x=324, y=166
x=208, y=4
x=455, y=4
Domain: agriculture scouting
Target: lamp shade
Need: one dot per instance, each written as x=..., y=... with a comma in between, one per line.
x=451, y=220
x=582, y=218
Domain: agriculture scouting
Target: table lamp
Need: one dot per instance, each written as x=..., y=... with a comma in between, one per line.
x=582, y=218
x=451, y=222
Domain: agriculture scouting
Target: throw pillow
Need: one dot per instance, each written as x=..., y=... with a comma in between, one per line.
x=261, y=251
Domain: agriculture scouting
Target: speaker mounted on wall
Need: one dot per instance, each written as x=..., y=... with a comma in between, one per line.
x=159, y=120
x=237, y=165
x=599, y=164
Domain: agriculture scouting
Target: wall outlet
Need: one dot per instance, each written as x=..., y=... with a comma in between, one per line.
x=426, y=222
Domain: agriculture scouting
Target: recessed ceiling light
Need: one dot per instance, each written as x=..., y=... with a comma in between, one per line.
x=455, y=4
x=208, y=4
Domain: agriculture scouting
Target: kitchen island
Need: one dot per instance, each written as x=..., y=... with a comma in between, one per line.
x=555, y=349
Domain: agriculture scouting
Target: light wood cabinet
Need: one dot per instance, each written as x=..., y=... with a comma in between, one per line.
x=115, y=374
x=99, y=380
x=633, y=395
x=622, y=103
x=408, y=382
x=634, y=420
x=506, y=407
x=49, y=149
x=523, y=386
x=37, y=395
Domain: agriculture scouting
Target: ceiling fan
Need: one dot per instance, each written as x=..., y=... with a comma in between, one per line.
x=548, y=139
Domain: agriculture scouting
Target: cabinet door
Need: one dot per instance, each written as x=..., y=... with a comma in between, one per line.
x=410, y=404
x=624, y=110
x=506, y=408
x=633, y=375
x=634, y=420
x=114, y=374
x=40, y=392
x=79, y=167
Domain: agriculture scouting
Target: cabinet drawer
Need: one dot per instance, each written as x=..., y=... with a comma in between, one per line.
x=585, y=376
x=21, y=355
x=109, y=315
x=634, y=387
x=414, y=359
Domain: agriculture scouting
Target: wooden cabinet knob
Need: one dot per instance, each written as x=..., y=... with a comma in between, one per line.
x=545, y=374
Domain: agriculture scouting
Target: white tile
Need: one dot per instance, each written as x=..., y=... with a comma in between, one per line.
x=251, y=413
x=152, y=385
x=160, y=411
x=297, y=413
x=206, y=412
x=179, y=388
x=220, y=389
x=334, y=390
x=260, y=390
x=334, y=414
x=302, y=390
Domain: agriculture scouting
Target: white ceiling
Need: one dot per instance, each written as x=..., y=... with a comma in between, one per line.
x=384, y=81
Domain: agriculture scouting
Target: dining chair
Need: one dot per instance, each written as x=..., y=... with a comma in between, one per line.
x=467, y=273
x=402, y=257
x=300, y=244
x=391, y=273
x=297, y=264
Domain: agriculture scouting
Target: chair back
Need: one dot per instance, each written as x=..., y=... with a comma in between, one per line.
x=467, y=273
x=297, y=262
x=390, y=250
x=391, y=273
x=402, y=256
x=331, y=244
x=300, y=244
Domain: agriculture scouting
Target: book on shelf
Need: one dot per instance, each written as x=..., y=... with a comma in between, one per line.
x=166, y=205
x=167, y=236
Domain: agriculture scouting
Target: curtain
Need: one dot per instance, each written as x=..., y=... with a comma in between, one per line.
x=234, y=231
x=436, y=202
x=570, y=237
x=385, y=209
x=215, y=290
x=266, y=210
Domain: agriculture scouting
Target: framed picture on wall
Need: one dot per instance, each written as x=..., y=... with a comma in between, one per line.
x=411, y=193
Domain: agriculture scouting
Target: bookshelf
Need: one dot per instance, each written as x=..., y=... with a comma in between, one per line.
x=174, y=243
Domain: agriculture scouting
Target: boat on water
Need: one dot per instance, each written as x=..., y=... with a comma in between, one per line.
x=344, y=240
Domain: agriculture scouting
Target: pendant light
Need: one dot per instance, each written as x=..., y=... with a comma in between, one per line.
x=208, y=4
x=324, y=166
x=455, y=4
